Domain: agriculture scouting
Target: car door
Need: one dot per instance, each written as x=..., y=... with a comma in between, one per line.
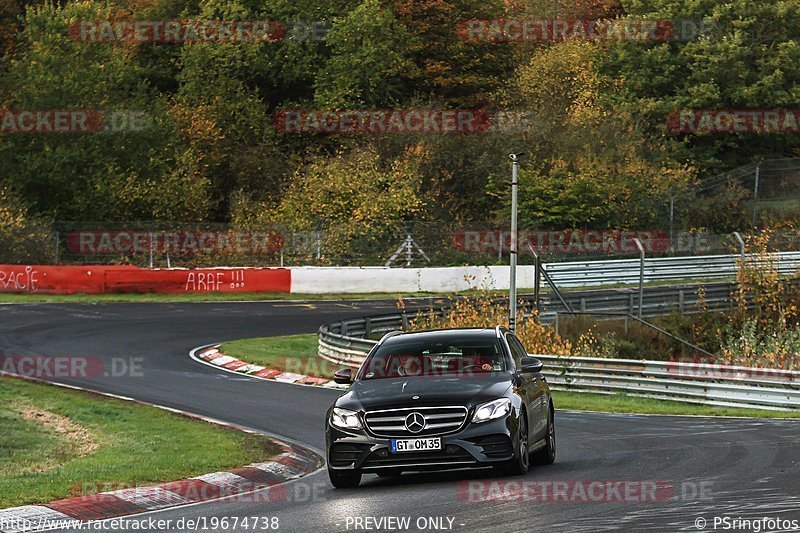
x=535, y=391
x=526, y=385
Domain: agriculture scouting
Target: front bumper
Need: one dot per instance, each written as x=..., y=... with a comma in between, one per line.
x=476, y=445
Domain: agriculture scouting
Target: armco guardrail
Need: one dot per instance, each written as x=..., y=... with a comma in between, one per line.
x=657, y=301
x=617, y=272
x=714, y=385
x=347, y=342
x=708, y=384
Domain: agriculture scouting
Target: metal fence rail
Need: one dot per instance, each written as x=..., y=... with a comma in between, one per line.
x=626, y=271
x=714, y=385
x=348, y=341
x=704, y=384
x=657, y=301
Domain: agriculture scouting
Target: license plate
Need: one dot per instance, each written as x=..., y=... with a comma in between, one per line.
x=415, y=445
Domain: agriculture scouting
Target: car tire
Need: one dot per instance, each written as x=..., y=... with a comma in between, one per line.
x=521, y=462
x=547, y=455
x=344, y=480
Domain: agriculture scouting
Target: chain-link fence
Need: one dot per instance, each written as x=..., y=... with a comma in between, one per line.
x=165, y=245
x=755, y=195
x=761, y=194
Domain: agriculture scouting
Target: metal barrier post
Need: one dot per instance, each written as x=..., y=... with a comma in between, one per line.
x=755, y=194
x=537, y=276
x=500, y=247
x=671, y=216
x=641, y=276
x=150, y=255
x=741, y=244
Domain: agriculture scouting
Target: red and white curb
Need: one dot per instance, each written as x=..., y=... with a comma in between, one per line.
x=255, y=483
x=211, y=355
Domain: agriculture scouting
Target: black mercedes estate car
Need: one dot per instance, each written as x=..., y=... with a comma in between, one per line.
x=443, y=399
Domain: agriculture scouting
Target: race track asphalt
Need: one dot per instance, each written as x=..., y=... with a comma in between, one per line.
x=704, y=468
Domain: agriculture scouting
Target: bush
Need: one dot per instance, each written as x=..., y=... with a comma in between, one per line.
x=754, y=345
x=488, y=311
x=22, y=239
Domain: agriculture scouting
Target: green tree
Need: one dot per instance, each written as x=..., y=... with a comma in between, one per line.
x=589, y=164
x=370, y=60
x=105, y=175
x=747, y=57
x=451, y=69
x=355, y=196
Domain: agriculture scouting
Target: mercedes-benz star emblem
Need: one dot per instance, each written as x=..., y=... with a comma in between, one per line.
x=415, y=422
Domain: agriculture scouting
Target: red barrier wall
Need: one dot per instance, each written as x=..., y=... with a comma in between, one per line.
x=200, y=280
x=123, y=279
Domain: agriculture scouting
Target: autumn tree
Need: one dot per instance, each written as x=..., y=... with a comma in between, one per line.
x=590, y=164
x=737, y=55
x=127, y=173
x=355, y=195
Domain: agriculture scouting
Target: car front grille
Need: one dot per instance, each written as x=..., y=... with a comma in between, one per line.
x=438, y=421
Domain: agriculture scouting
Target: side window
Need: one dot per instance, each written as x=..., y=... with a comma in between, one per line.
x=517, y=351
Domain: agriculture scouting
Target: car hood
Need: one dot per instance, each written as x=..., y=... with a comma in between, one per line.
x=391, y=393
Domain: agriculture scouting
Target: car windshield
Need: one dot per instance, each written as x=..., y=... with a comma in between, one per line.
x=441, y=356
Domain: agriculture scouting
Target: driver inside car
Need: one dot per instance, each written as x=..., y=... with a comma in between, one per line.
x=410, y=365
x=473, y=358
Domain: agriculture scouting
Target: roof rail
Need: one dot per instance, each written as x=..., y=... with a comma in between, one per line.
x=500, y=329
x=390, y=334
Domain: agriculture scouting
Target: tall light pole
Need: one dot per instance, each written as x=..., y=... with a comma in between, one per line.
x=512, y=293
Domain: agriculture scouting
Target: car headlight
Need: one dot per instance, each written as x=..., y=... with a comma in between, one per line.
x=345, y=419
x=492, y=410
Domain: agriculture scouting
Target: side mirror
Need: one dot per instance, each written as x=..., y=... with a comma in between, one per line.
x=530, y=365
x=343, y=376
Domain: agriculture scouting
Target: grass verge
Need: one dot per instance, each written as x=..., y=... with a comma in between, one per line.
x=298, y=353
x=291, y=353
x=59, y=443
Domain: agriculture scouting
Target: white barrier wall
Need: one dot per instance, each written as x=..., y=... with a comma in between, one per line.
x=322, y=280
